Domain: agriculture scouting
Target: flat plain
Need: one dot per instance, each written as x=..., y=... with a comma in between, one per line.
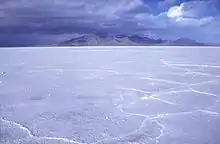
x=110, y=95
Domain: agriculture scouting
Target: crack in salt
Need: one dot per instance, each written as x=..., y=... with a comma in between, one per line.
x=29, y=133
x=136, y=90
x=162, y=131
x=188, y=65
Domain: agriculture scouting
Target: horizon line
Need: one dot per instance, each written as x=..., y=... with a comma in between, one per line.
x=111, y=47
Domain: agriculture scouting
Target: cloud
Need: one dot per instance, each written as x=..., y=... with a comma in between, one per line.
x=198, y=20
x=202, y=16
x=194, y=13
x=193, y=9
x=166, y=3
x=70, y=8
x=68, y=16
x=51, y=13
x=104, y=11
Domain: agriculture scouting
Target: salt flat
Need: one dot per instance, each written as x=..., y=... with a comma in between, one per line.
x=110, y=95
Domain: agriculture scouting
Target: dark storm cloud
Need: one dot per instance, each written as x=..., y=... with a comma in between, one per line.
x=67, y=12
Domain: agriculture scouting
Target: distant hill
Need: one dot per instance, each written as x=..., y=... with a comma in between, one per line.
x=184, y=42
x=97, y=40
x=103, y=39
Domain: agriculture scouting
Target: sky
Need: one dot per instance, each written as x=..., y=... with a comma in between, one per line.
x=42, y=21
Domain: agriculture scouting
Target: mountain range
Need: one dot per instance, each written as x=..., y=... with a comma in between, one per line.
x=103, y=39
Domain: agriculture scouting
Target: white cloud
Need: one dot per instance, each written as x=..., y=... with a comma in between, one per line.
x=194, y=13
x=197, y=20
x=175, y=12
x=193, y=9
